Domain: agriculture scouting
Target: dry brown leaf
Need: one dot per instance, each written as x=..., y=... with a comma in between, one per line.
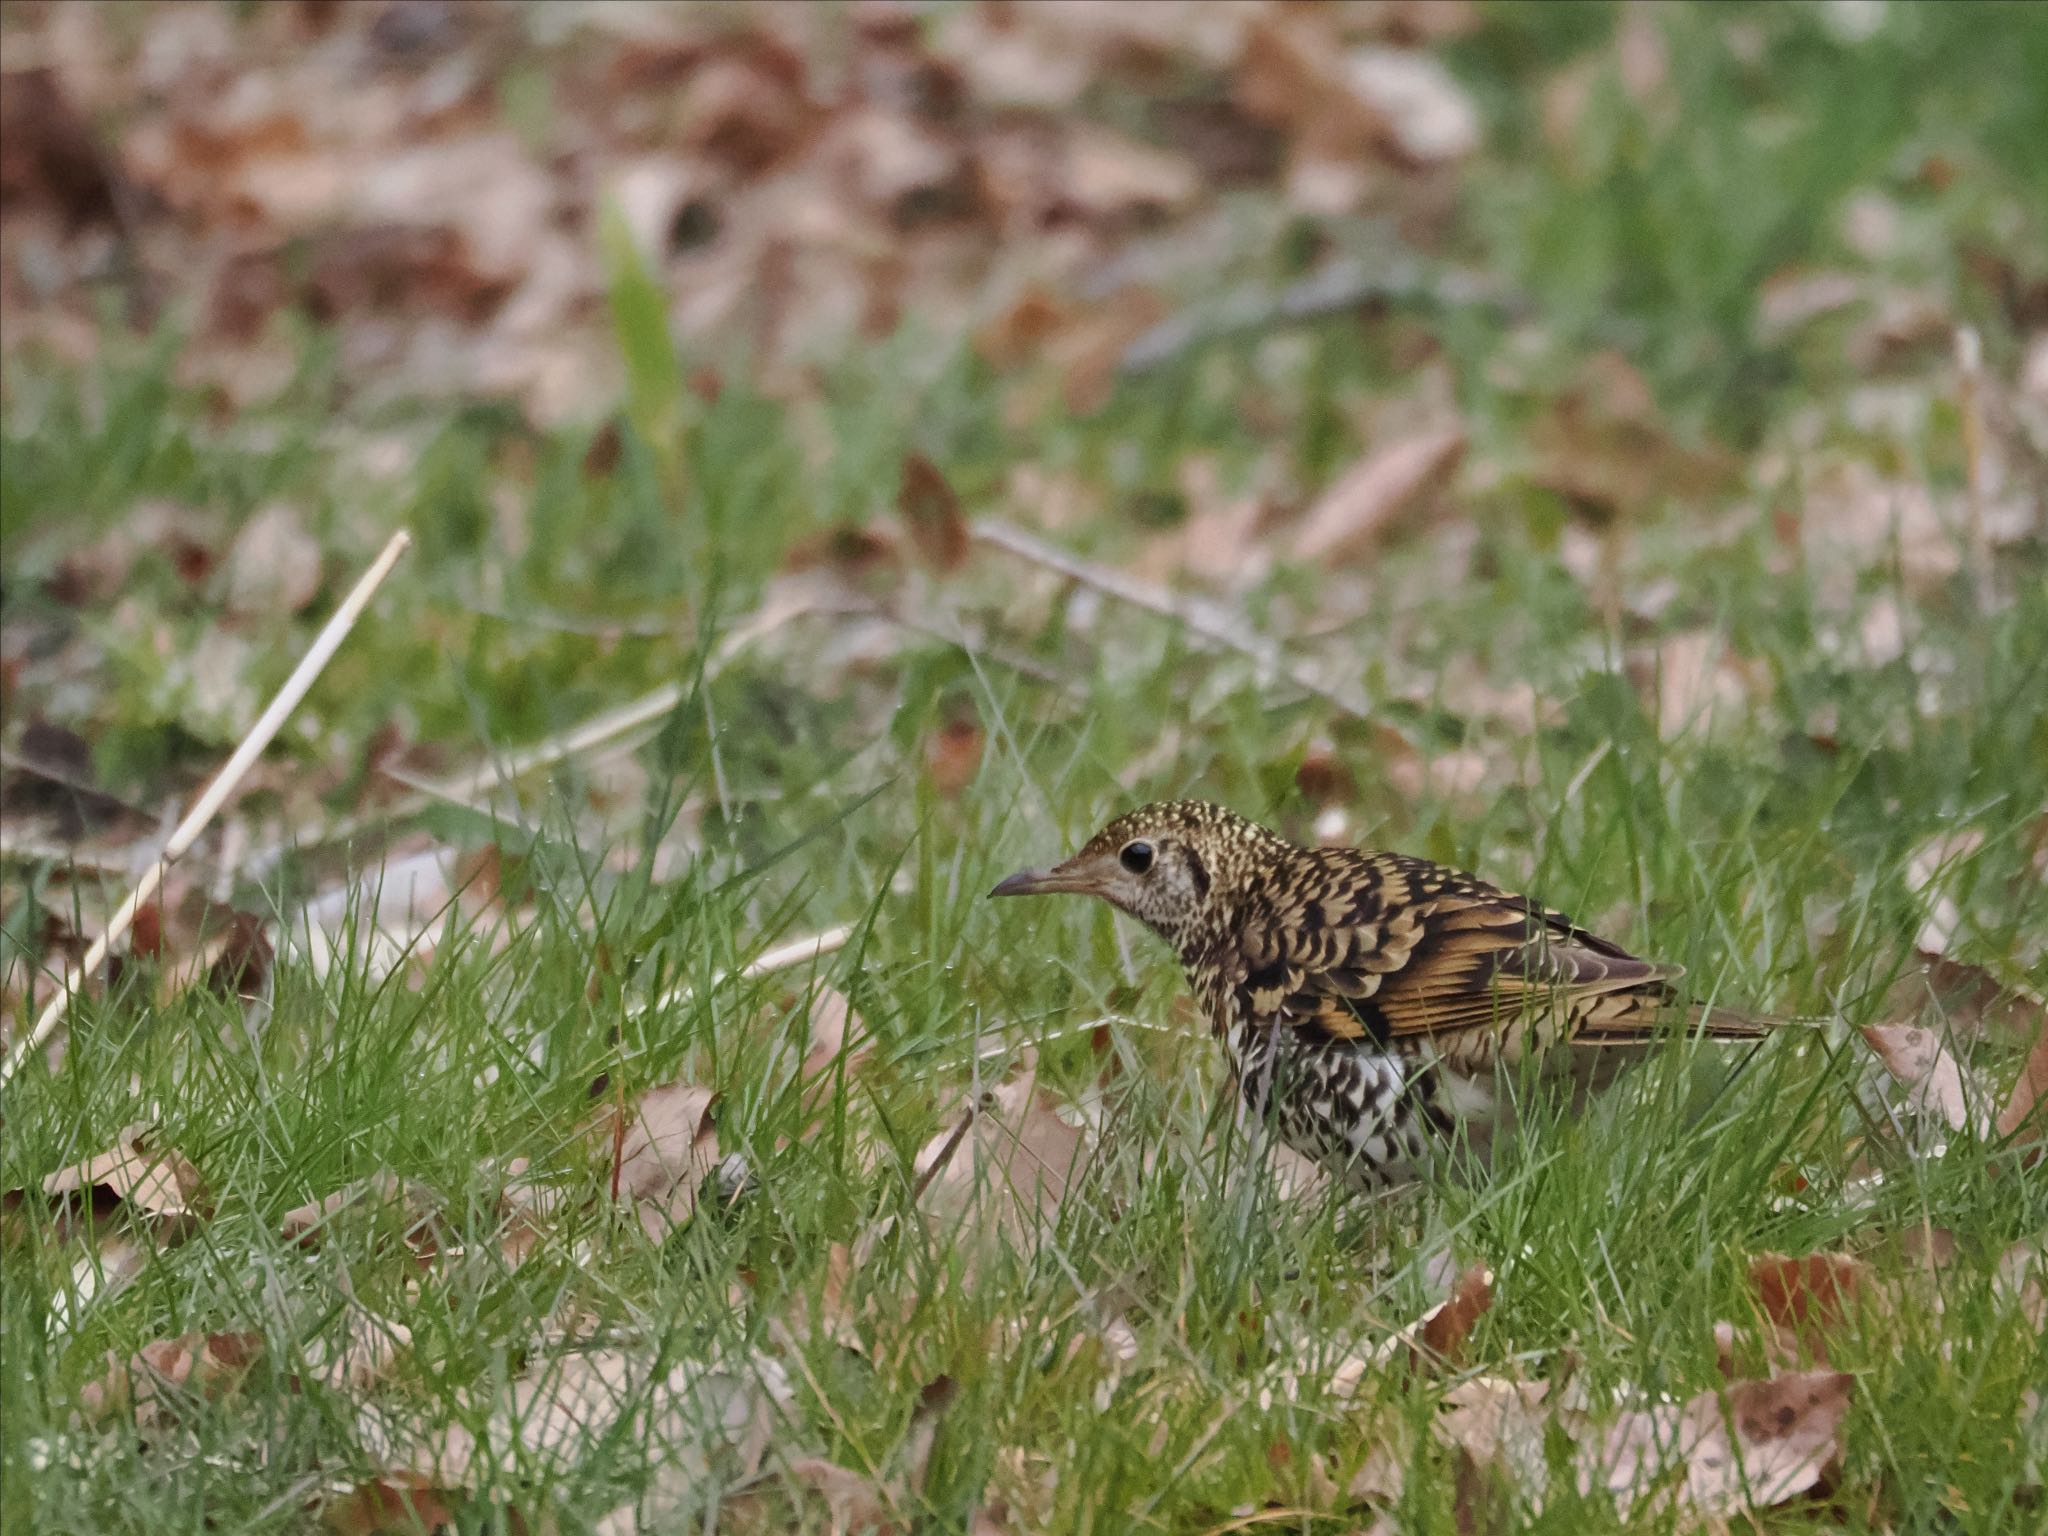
x=2023, y=1109
x=1698, y=680
x=853, y=1499
x=417, y=1206
x=1930, y=872
x=1814, y=1290
x=1010, y=1158
x=1811, y=1297
x=2023, y=1278
x=147, y=1178
x=273, y=567
x=670, y=1148
x=1372, y=497
x=931, y=515
x=1425, y=116
x=1750, y=1446
x=234, y=962
x=952, y=755
x=1500, y=1423
x=525, y=1207
x=1109, y=177
x=194, y=1364
x=1937, y=1084
x=364, y=1358
x=1431, y=1341
x=398, y=1502
x=833, y=1316
x=1443, y=1329
x=1606, y=447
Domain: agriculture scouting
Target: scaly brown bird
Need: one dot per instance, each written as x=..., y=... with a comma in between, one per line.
x=1368, y=1001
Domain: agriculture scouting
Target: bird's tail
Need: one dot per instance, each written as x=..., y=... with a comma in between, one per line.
x=1652, y=1019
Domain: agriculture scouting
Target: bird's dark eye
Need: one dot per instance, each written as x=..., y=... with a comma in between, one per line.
x=1136, y=857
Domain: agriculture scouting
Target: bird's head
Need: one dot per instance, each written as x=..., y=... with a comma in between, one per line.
x=1179, y=867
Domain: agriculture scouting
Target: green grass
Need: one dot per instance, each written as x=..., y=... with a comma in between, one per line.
x=1765, y=853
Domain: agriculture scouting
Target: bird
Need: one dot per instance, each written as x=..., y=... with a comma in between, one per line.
x=1370, y=1004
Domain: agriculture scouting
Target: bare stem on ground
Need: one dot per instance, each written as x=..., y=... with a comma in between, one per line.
x=208, y=806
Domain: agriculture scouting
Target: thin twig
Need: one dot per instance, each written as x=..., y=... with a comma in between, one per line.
x=780, y=958
x=1342, y=285
x=224, y=784
x=594, y=732
x=1206, y=621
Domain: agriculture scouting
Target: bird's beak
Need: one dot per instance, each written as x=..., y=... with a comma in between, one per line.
x=1071, y=876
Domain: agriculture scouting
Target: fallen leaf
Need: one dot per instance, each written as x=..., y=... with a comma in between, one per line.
x=1339, y=105
x=1108, y=177
x=2029, y=1092
x=1937, y=1085
x=234, y=962
x=1443, y=1329
x=1500, y=1422
x=669, y=1149
x=2023, y=1279
x=368, y=1350
x=1697, y=681
x=703, y=1420
x=931, y=514
x=1372, y=497
x=1605, y=446
x=525, y=1207
x=398, y=1502
x=1010, y=1158
x=1425, y=116
x=1752, y=1445
x=1809, y=1297
x=273, y=567
x=952, y=755
x=414, y=1205
x=1930, y=874
x=854, y=1500
x=152, y=1180
x=193, y=1364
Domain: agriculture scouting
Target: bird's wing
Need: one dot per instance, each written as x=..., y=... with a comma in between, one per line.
x=1378, y=946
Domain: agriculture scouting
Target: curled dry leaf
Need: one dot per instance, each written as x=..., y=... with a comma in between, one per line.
x=1937, y=1084
x=1810, y=1297
x=2024, y=1108
x=669, y=1148
x=398, y=1502
x=1816, y=1289
x=1443, y=1329
x=1433, y=1339
x=235, y=962
x=138, y=1173
x=931, y=514
x=1372, y=497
